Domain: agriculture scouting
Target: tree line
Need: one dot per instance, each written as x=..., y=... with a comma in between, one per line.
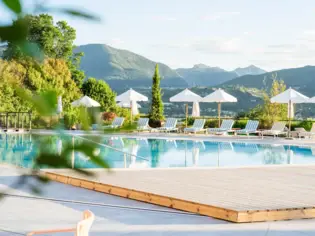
x=50, y=64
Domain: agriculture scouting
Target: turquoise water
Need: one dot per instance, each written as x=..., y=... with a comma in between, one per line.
x=21, y=149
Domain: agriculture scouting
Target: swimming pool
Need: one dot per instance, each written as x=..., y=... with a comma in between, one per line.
x=20, y=149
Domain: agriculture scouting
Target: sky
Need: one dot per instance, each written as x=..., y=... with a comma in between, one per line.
x=271, y=34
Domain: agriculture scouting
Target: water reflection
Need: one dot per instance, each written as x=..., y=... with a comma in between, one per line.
x=21, y=149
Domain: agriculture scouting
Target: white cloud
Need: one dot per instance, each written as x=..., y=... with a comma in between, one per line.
x=164, y=18
x=220, y=15
x=217, y=45
x=116, y=42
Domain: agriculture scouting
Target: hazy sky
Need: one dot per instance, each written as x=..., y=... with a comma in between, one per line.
x=272, y=34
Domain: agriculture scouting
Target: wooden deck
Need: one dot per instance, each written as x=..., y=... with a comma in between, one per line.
x=235, y=194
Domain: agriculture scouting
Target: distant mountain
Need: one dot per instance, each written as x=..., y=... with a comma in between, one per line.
x=122, y=68
x=250, y=70
x=203, y=75
x=302, y=78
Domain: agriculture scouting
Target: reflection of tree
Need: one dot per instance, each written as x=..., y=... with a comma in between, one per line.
x=156, y=146
x=272, y=156
x=130, y=142
x=17, y=150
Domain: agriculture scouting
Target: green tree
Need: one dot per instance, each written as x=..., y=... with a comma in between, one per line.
x=53, y=41
x=157, y=107
x=269, y=112
x=52, y=74
x=101, y=92
x=12, y=76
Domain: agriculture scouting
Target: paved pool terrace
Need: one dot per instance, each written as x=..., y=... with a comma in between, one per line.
x=20, y=215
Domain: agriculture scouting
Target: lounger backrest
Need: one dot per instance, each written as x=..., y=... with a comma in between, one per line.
x=142, y=122
x=227, y=124
x=199, y=123
x=170, y=123
x=278, y=126
x=252, y=125
x=83, y=227
x=118, y=121
x=313, y=128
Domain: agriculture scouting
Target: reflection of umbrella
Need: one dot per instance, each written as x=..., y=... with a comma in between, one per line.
x=59, y=146
x=186, y=96
x=143, y=141
x=134, y=163
x=131, y=97
x=290, y=97
x=59, y=105
x=195, y=154
x=199, y=144
x=118, y=142
x=85, y=102
x=290, y=156
x=172, y=141
x=219, y=96
x=133, y=156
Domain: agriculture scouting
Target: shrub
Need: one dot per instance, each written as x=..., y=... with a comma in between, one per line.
x=240, y=124
x=211, y=123
x=71, y=117
x=108, y=116
x=306, y=124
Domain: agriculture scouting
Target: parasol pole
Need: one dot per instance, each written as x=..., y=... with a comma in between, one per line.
x=130, y=111
x=219, y=113
x=290, y=106
x=186, y=114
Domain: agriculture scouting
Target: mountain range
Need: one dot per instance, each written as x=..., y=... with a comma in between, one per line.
x=114, y=65
x=124, y=68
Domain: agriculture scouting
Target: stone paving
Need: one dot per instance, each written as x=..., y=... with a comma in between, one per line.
x=22, y=215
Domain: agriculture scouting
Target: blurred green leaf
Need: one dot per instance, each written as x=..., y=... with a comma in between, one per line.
x=84, y=118
x=89, y=150
x=32, y=50
x=14, y=5
x=80, y=14
x=45, y=103
x=67, y=11
x=35, y=190
x=42, y=178
x=14, y=33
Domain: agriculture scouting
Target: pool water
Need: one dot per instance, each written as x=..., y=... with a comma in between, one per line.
x=21, y=150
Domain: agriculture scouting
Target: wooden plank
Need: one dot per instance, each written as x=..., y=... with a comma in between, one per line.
x=75, y=182
x=260, y=197
x=87, y=184
x=150, y=198
x=274, y=215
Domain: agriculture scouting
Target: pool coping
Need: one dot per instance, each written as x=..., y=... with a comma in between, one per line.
x=192, y=137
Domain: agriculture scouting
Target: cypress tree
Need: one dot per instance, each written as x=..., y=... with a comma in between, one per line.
x=157, y=108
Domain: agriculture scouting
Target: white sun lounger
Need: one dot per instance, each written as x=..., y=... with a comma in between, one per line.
x=251, y=128
x=277, y=129
x=309, y=134
x=118, y=122
x=226, y=126
x=170, y=125
x=197, y=126
x=143, y=124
